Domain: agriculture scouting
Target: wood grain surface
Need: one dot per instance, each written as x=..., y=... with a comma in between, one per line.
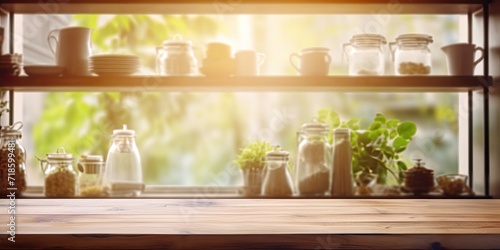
x=164, y=223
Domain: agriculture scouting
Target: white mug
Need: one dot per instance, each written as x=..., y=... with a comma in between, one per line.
x=248, y=62
x=313, y=61
x=72, y=49
x=460, y=58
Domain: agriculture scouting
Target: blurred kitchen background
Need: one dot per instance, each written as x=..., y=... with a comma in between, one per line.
x=188, y=138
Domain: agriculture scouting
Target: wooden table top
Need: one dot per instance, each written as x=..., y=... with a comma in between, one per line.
x=254, y=216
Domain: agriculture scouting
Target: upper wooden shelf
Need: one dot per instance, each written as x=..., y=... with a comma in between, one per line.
x=259, y=83
x=243, y=6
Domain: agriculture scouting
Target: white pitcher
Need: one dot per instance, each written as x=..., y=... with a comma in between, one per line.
x=72, y=49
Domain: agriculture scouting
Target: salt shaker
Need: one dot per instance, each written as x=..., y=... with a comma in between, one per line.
x=342, y=182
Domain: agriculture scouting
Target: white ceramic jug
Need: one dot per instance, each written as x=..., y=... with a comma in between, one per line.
x=72, y=49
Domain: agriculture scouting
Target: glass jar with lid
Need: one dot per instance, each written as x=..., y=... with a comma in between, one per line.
x=123, y=171
x=313, y=159
x=277, y=180
x=365, y=54
x=90, y=180
x=60, y=177
x=176, y=57
x=411, y=54
x=12, y=161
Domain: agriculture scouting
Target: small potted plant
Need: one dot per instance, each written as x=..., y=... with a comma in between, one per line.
x=251, y=163
x=377, y=149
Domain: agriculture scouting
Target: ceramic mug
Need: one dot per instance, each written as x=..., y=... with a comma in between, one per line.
x=248, y=62
x=314, y=61
x=218, y=51
x=460, y=58
x=72, y=49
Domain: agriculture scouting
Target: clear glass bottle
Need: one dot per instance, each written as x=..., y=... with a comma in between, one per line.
x=365, y=54
x=123, y=174
x=277, y=180
x=60, y=177
x=176, y=57
x=313, y=160
x=12, y=161
x=91, y=168
x=411, y=54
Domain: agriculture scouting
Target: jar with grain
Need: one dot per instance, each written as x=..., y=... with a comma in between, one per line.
x=365, y=54
x=277, y=181
x=60, y=177
x=91, y=168
x=411, y=54
x=313, y=159
x=12, y=161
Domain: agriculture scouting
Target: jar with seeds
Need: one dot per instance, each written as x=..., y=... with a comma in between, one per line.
x=60, y=177
x=12, y=161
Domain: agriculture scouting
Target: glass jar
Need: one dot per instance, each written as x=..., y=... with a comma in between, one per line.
x=176, y=57
x=277, y=180
x=365, y=54
x=12, y=161
x=123, y=172
x=412, y=55
x=60, y=177
x=90, y=180
x=313, y=160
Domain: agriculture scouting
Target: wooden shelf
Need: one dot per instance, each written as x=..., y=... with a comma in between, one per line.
x=259, y=83
x=243, y=6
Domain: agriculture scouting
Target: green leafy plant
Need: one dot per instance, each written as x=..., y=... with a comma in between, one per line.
x=377, y=148
x=252, y=156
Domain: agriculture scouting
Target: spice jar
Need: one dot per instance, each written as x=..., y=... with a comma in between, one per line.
x=123, y=173
x=176, y=57
x=12, y=161
x=313, y=159
x=342, y=182
x=277, y=180
x=60, y=177
x=412, y=55
x=90, y=179
x=365, y=54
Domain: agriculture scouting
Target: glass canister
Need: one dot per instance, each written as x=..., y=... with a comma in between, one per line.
x=277, y=180
x=12, y=161
x=90, y=180
x=123, y=172
x=60, y=177
x=411, y=54
x=365, y=54
x=313, y=159
x=176, y=57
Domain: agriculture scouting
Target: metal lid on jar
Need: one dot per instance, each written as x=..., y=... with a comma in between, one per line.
x=414, y=37
x=368, y=38
x=91, y=158
x=314, y=126
x=177, y=41
x=13, y=130
x=59, y=155
x=278, y=153
x=124, y=131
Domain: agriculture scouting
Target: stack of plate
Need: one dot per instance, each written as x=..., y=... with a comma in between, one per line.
x=10, y=64
x=114, y=64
